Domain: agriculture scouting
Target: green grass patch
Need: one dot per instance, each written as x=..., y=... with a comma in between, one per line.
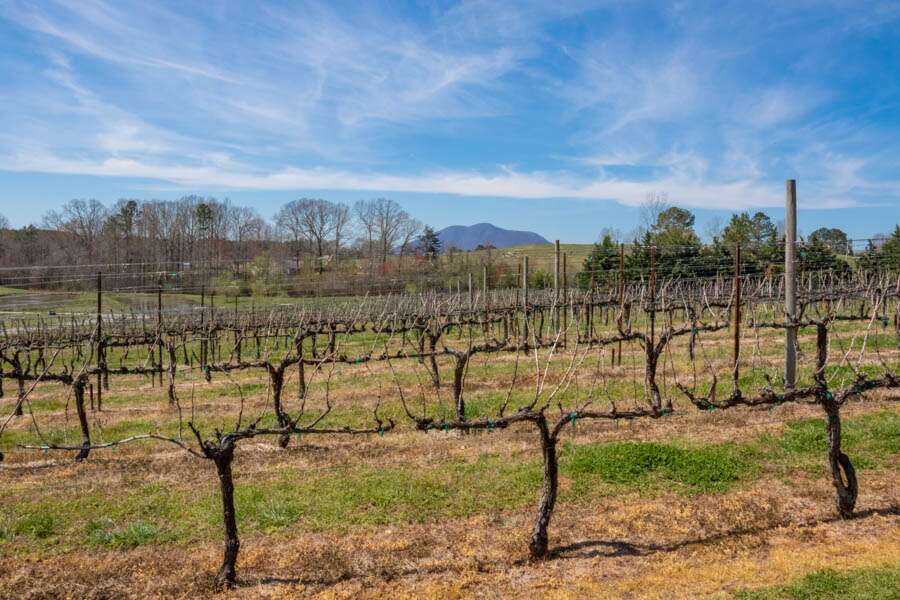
x=858, y=584
x=65, y=517
x=381, y=496
x=869, y=440
x=37, y=525
x=104, y=533
x=643, y=465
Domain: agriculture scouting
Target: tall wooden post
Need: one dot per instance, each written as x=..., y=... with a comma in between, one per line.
x=484, y=287
x=99, y=340
x=565, y=300
x=525, y=298
x=556, y=288
x=159, y=329
x=203, y=344
x=238, y=330
x=790, y=283
x=652, y=294
x=737, y=311
x=621, y=292
x=589, y=316
x=471, y=293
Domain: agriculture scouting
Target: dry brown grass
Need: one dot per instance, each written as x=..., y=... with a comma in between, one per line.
x=634, y=545
x=630, y=547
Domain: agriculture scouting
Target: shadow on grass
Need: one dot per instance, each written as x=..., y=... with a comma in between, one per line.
x=583, y=549
x=614, y=548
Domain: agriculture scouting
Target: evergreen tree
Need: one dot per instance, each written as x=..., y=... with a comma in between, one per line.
x=603, y=261
x=676, y=245
x=761, y=249
x=818, y=255
x=883, y=256
x=429, y=243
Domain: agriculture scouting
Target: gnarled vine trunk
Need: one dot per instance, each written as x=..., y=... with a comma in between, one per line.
x=78, y=392
x=227, y=574
x=170, y=348
x=20, y=397
x=459, y=371
x=276, y=376
x=432, y=360
x=301, y=380
x=650, y=376
x=843, y=475
x=539, y=538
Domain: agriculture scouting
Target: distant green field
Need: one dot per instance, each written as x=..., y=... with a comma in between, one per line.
x=28, y=302
x=540, y=256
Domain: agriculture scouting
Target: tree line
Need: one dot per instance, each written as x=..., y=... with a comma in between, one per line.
x=196, y=230
x=668, y=240
x=309, y=235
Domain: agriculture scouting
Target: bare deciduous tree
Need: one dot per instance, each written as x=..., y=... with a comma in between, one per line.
x=386, y=224
x=290, y=221
x=83, y=219
x=408, y=231
x=245, y=225
x=341, y=224
x=317, y=222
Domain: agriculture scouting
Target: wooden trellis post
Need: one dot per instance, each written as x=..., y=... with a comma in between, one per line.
x=737, y=312
x=790, y=284
x=484, y=287
x=621, y=292
x=525, y=298
x=159, y=328
x=565, y=291
x=203, y=340
x=556, y=288
x=651, y=290
x=99, y=340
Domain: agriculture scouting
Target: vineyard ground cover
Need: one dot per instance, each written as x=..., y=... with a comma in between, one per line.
x=435, y=501
x=853, y=584
x=137, y=411
x=395, y=497
x=340, y=496
x=355, y=390
x=36, y=302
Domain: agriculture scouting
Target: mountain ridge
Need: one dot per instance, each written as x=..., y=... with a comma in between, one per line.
x=469, y=237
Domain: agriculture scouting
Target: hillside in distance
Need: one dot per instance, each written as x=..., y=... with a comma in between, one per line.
x=481, y=234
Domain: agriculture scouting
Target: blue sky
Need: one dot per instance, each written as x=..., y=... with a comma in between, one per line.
x=556, y=117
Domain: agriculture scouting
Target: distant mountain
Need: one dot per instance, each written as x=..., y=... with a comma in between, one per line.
x=482, y=234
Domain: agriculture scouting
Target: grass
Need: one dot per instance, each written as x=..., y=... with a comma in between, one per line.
x=643, y=465
x=337, y=497
x=869, y=440
x=298, y=505
x=828, y=584
x=326, y=488
x=104, y=533
x=37, y=525
x=382, y=496
x=348, y=496
x=538, y=253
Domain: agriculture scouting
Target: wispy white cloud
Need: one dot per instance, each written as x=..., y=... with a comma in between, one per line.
x=106, y=31
x=307, y=77
x=681, y=187
x=318, y=96
x=780, y=104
